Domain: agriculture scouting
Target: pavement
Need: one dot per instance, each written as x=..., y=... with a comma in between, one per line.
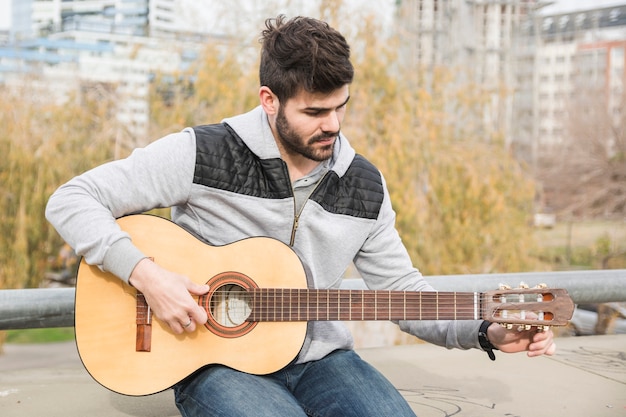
x=587, y=377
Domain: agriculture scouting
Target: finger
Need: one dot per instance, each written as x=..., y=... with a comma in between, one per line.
x=176, y=327
x=181, y=324
x=189, y=326
x=198, y=289
x=542, y=343
x=198, y=315
x=543, y=336
x=548, y=349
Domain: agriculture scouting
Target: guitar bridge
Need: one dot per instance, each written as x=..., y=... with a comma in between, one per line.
x=143, y=339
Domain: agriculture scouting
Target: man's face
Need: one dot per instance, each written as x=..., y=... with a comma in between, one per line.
x=309, y=123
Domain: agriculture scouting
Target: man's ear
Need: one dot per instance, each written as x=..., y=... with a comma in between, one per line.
x=268, y=100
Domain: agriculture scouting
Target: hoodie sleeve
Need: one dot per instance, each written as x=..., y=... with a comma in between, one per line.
x=83, y=210
x=385, y=263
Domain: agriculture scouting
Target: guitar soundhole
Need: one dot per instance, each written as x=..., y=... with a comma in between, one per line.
x=228, y=304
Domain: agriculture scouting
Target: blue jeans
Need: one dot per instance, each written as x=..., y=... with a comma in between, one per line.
x=341, y=385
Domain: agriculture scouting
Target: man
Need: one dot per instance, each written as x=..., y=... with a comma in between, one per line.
x=283, y=170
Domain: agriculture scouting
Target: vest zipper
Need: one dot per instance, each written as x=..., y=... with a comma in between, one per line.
x=296, y=215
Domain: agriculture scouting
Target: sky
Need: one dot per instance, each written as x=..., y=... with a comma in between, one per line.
x=4, y=14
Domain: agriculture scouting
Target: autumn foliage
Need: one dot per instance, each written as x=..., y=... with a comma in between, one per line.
x=43, y=142
x=463, y=203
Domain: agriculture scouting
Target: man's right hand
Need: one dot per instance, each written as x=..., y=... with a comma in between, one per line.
x=169, y=296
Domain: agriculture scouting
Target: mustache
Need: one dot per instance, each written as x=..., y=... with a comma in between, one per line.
x=323, y=137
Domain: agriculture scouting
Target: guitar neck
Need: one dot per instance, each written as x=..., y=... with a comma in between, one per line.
x=278, y=304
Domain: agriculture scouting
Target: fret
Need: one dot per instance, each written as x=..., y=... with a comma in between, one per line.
x=257, y=309
x=420, y=304
x=317, y=304
x=255, y=305
x=339, y=305
x=476, y=314
x=454, y=305
x=298, y=305
x=350, y=306
x=404, y=303
x=375, y=305
x=328, y=305
x=362, y=306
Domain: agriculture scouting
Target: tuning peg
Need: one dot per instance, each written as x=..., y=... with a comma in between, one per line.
x=523, y=285
x=504, y=286
x=541, y=286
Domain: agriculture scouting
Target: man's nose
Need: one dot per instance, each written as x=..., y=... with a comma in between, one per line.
x=331, y=122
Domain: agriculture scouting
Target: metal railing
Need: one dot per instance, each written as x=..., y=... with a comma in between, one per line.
x=54, y=307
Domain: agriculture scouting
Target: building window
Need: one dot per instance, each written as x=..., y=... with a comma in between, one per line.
x=547, y=23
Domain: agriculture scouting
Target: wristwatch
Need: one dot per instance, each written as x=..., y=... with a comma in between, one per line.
x=483, y=339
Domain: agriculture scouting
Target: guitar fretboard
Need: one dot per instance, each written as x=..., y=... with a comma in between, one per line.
x=278, y=304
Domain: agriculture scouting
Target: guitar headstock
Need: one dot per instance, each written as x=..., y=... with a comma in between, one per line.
x=526, y=307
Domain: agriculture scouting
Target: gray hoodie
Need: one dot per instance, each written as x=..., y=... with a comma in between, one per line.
x=226, y=182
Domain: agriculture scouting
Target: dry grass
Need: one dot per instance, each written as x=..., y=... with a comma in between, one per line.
x=581, y=234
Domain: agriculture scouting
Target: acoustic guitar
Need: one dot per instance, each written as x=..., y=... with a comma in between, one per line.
x=258, y=309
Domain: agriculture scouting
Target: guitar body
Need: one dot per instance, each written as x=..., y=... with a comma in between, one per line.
x=258, y=308
x=106, y=312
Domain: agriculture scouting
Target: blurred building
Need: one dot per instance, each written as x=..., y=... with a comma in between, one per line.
x=535, y=59
x=116, y=46
x=16, y=24
x=569, y=60
x=473, y=37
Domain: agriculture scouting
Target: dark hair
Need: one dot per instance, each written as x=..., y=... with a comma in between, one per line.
x=303, y=53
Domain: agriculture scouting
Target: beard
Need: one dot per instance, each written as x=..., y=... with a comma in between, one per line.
x=294, y=143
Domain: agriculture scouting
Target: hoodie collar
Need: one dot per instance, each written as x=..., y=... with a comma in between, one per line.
x=254, y=129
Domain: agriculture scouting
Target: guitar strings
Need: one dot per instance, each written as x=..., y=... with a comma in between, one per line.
x=342, y=304
x=341, y=296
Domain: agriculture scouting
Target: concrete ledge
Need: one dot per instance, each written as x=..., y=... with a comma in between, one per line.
x=586, y=378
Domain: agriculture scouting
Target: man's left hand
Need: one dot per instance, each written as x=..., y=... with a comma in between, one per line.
x=535, y=342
